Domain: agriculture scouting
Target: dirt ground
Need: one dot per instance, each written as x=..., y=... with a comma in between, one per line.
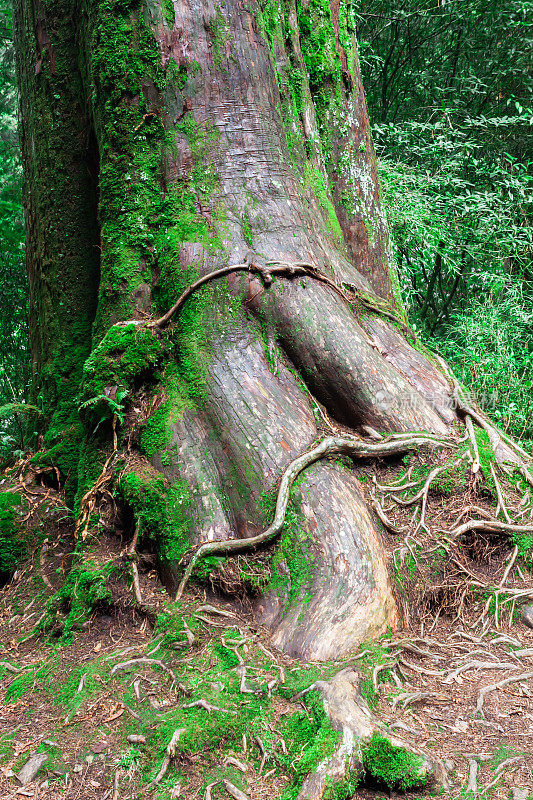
x=453, y=681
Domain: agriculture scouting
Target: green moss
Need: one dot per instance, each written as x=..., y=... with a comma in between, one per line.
x=372, y=654
x=85, y=586
x=62, y=445
x=293, y=563
x=12, y=546
x=451, y=480
x=143, y=221
x=25, y=683
x=391, y=766
x=316, y=181
x=311, y=734
x=163, y=510
x=156, y=433
x=124, y=355
x=226, y=656
x=524, y=542
x=486, y=451
x=169, y=13
x=317, y=38
x=220, y=34
x=246, y=228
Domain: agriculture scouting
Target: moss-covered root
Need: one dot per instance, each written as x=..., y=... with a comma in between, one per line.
x=368, y=748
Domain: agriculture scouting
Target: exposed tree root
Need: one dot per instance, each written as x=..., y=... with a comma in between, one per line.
x=331, y=445
x=134, y=569
x=171, y=753
x=525, y=676
x=267, y=271
x=350, y=715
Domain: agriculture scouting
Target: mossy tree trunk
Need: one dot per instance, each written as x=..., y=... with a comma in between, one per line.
x=163, y=140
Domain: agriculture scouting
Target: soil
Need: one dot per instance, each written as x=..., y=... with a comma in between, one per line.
x=432, y=673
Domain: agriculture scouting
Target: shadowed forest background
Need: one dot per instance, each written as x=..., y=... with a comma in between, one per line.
x=449, y=91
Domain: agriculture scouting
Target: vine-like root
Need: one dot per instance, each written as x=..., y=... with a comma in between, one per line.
x=350, y=715
x=331, y=445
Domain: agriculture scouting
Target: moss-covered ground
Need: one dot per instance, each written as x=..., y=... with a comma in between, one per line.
x=80, y=698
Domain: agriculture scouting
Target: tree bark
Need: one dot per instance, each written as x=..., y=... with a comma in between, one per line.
x=162, y=141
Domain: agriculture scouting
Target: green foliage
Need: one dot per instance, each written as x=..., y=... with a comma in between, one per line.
x=451, y=101
x=11, y=409
x=391, y=766
x=14, y=316
x=12, y=546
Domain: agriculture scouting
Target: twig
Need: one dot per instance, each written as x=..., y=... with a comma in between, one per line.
x=116, y=785
x=263, y=753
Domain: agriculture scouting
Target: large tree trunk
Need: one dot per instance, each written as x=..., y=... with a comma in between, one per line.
x=209, y=135
x=165, y=140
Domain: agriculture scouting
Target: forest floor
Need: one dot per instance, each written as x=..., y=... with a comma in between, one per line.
x=104, y=705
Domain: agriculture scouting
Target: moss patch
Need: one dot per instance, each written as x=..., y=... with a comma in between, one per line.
x=393, y=767
x=163, y=511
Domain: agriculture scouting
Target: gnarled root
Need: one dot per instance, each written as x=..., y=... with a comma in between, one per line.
x=331, y=445
x=350, y=715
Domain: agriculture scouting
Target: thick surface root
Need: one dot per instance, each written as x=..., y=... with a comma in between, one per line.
x=350, y=715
